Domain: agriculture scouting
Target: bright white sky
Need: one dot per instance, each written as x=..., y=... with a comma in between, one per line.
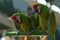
x=53, y=7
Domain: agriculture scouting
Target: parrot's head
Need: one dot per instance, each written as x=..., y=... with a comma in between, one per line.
x=18, y=18
x=36, y=8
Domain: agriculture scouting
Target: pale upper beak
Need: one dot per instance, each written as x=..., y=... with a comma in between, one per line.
x=9, y=18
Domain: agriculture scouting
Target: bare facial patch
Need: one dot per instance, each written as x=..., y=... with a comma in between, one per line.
x=39, y=8
x=18, y=18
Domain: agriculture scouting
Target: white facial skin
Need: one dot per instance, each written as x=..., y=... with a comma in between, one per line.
x=18, y=18
x=39, y=8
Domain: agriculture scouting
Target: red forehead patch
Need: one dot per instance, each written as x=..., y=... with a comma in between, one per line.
x=34, y=6
x=13, y=17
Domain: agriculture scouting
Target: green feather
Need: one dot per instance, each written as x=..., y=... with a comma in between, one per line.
x=52, y=28
x=34, y=22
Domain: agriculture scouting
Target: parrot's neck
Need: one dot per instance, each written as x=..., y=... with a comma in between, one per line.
x=35, y=15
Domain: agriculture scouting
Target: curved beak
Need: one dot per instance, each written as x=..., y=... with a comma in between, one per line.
x=9, y=18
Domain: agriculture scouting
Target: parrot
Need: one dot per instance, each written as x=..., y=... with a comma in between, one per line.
x=43, y=17
x=22, y=22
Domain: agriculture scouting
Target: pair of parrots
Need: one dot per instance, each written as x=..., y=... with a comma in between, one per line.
x=45, y=21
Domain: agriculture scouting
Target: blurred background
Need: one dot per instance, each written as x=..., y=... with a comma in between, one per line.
x=8, y=7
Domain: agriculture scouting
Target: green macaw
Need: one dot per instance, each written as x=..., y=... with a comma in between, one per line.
x=23, y=22
x=43, y=18
x=43, y=15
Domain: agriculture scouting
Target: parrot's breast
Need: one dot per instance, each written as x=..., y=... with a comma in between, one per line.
x=26, y=25
x=43, y=23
